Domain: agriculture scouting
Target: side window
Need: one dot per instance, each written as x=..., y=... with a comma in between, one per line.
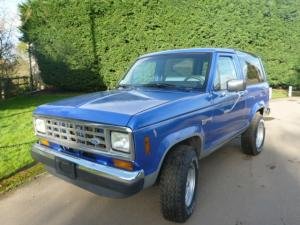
x=253, y=74
x=225, y=72
x=252, y=70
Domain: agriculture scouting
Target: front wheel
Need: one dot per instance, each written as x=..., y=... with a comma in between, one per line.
x=178, y=184
x=254, y=137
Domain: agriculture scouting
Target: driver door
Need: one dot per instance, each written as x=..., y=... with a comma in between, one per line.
x=228, y=107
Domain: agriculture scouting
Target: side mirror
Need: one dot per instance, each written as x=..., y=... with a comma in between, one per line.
x=236, y=85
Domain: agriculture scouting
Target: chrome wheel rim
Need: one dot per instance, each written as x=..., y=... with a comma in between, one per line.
x=190, y=185
x=260, y=134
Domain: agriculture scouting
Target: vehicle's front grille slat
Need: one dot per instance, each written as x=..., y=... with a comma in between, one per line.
x=72, y=132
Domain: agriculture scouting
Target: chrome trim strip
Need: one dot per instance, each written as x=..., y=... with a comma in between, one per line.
x=122, y=176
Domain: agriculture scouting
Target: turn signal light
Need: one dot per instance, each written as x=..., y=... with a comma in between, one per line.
x=123, y=164
x=44, y=142
x=147, y=145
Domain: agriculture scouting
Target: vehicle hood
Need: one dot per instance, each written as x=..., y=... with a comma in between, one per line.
x=115, y=107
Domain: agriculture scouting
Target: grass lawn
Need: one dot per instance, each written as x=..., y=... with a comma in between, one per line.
x=21, y=177
x=279, y=93
x=16, y=130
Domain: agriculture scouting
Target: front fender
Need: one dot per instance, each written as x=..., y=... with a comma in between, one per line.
x=166, y=145
x=178, y=136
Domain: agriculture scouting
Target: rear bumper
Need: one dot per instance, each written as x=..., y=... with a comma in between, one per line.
x=267, y=111
x=94, y=177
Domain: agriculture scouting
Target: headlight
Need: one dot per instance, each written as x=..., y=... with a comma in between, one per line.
x=40, y=126
x=120, y=141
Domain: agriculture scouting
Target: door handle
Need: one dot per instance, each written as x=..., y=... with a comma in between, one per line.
x=240, y=94
x=223, y=94
x=243, y=93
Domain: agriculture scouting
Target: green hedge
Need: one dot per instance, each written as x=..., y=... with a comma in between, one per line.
x=89, y=44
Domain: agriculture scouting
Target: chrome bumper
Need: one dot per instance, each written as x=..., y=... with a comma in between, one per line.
x=267, y=111
x=97, y=178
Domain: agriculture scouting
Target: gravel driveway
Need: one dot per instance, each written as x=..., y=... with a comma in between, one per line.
x=235, y=189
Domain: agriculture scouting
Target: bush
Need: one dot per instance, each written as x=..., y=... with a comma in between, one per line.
x=89, y=44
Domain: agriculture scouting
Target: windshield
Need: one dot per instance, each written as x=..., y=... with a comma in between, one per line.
x=170, y=71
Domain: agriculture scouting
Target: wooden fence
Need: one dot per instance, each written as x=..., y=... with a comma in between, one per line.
x=11, y=86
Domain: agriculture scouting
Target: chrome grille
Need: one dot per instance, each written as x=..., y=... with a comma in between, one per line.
x=72, y=133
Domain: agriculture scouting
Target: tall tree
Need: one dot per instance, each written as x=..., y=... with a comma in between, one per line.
x=7, y=56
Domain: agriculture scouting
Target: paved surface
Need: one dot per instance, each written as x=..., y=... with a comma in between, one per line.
x=234, y=189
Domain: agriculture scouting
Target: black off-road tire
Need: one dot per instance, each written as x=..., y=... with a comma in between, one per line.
x=248, y=139
x=173, y=183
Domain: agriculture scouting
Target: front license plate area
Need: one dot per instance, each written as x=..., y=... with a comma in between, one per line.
x=65, y=168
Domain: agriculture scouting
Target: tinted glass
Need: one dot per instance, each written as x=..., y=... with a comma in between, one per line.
x=225, y=72
x=251, y=69
x=173, y=70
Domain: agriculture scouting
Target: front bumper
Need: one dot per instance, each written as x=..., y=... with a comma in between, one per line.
x=94, y=177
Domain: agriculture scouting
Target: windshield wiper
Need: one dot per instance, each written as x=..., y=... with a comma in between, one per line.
x=124, y=86
x=159, y=85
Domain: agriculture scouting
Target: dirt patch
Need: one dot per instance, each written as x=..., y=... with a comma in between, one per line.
x=271, y=166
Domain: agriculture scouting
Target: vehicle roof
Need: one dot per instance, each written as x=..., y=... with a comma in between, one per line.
x=195, y=50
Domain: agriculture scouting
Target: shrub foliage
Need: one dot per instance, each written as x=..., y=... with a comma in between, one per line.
x=89, y=44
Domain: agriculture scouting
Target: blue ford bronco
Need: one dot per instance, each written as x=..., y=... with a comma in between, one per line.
x=171, y=109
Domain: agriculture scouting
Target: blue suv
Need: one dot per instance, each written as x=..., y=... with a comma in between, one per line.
x=171, y=109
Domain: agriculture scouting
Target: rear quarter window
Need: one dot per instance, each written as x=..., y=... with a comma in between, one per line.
x=252, y=69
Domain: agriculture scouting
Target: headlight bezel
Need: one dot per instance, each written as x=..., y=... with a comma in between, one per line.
x=39, y=125
x=113, y=134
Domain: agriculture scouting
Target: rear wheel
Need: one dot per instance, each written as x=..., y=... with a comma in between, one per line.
x=178, y=184
x=254, y=137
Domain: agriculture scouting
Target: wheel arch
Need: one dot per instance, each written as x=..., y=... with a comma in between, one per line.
x=195, y=140
x=258, y=107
